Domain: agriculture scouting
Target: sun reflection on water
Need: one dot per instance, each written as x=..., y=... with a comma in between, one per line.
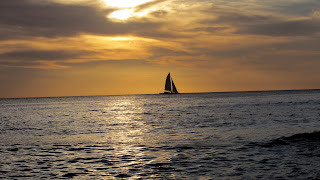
x=125, y=122
x=128, y=134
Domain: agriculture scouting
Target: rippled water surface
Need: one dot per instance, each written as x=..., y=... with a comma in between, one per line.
x=238, y=135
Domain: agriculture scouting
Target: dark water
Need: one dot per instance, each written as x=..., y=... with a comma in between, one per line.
x=240, y=135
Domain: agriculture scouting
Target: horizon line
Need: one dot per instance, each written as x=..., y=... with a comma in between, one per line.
x=27, y=97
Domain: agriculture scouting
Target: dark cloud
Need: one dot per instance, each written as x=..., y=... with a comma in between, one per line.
x=161, y=34
x=301, y=8
x=31, y=55
x=209, y=29
x=19, y=63
x=159, y=13
x=240, y=19
x=268, y=25
x=25, y=18
x=34, y=58
x=282, y=28
x=224, y=19
x=99, y=63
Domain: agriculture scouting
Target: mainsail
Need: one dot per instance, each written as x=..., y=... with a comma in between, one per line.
x=169, y=87
x=168, y=83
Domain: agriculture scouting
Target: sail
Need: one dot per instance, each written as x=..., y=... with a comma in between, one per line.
x=167, y=87
x=174, y=89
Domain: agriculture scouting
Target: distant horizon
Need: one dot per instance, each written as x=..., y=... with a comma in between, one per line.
x=160, y=94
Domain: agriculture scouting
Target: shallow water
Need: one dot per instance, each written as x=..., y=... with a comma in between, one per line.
x=238, y=135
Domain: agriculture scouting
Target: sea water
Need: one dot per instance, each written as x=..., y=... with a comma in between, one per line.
x=235, y=135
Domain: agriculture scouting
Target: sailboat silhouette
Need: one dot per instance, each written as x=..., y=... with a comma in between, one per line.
x=169, y=87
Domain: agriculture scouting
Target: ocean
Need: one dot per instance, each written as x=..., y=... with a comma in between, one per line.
x=232, y=135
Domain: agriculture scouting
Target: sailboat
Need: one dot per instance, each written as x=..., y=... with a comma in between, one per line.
x=169, y=87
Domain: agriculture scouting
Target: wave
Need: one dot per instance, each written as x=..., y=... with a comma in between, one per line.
x=314, y=136
x=292, y=140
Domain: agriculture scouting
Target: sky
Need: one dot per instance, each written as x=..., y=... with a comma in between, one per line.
x=107, y=47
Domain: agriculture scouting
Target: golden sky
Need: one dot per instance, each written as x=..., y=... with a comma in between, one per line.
x=101, y=47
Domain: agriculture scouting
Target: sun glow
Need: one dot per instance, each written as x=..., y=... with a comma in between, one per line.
x=125, y=3
x=122, y=14
x=126, y=8
x=126, y=14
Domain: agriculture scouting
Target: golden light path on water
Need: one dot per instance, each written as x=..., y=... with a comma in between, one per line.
x=131, y=134
x=126, y=113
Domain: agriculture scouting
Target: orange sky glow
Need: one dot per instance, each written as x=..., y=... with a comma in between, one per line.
x=106, y=47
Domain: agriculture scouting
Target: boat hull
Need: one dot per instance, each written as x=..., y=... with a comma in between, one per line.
x=169, y=93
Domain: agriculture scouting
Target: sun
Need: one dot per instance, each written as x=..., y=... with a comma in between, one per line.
x=125, y=3
x=126, y=9
x=125, y=14
x=122, y=14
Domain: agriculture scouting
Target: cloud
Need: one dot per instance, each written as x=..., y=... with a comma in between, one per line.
x=209, y=29
x=26, y=18
x=159, y=13
x=283, y=28
x=291, y=8
x=192, y=25
x=316, y=14
x=43, y=59
x=31, y=55
x=241, y=18
x=262, y=23
x=159, y=52
x=148, y=5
